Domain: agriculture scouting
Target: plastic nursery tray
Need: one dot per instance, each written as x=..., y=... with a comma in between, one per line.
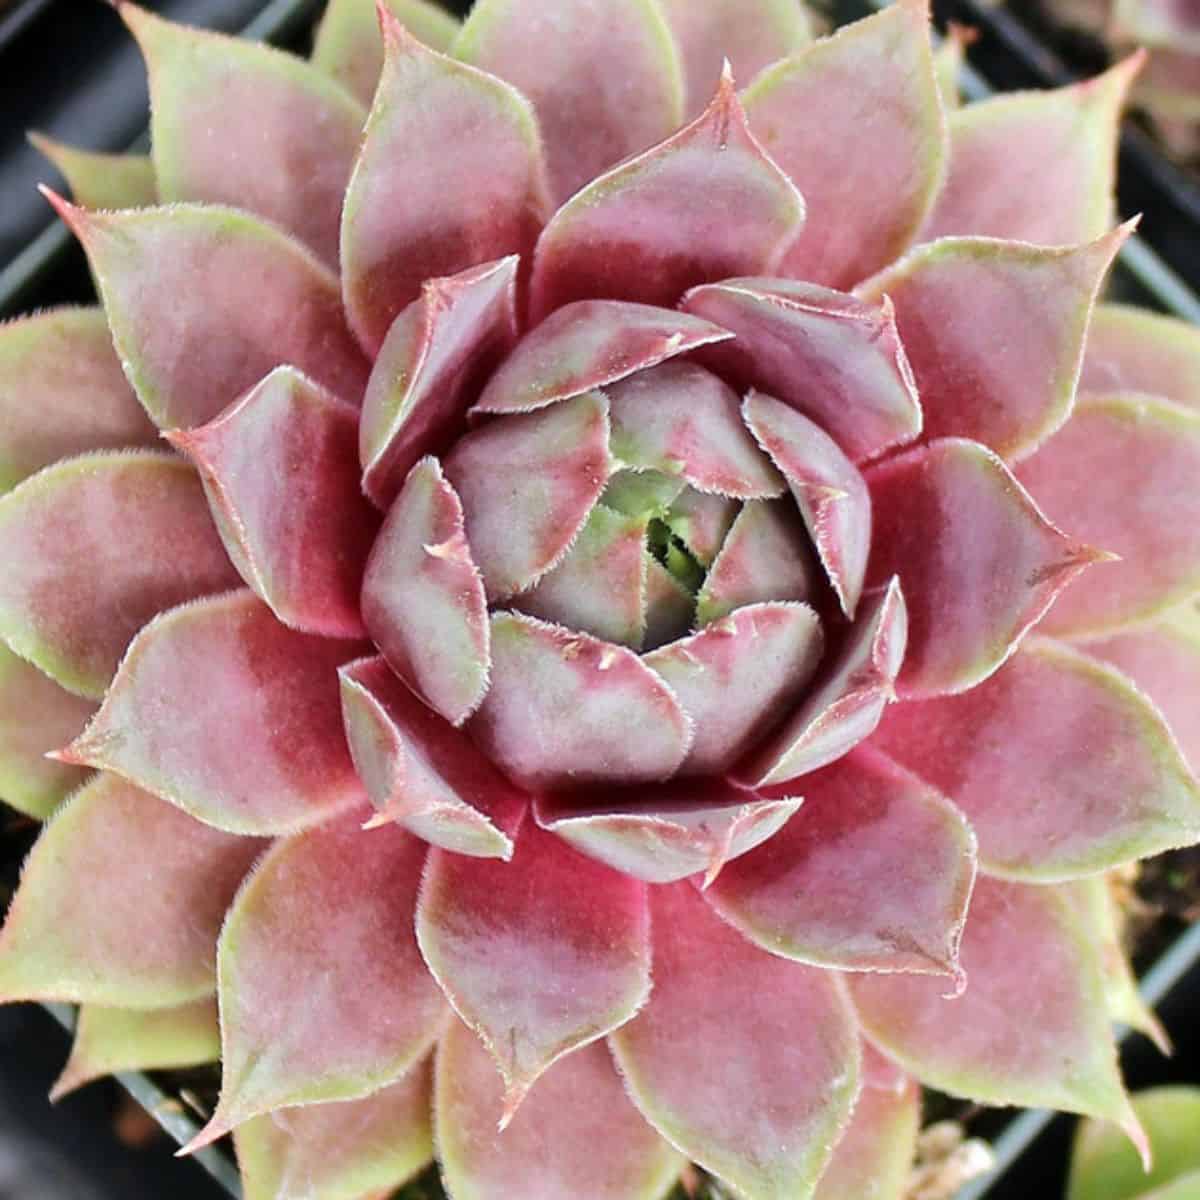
x=72, y=71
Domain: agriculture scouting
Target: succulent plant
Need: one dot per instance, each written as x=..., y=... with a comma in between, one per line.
x=568, y=686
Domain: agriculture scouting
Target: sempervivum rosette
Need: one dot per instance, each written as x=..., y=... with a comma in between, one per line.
x=610, y=587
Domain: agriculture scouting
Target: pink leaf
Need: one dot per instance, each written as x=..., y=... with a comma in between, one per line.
x=979, y=562
x=62, y=393
x=576, y=1135
x=995, y=333
x=1122, y=474
x=280, y=469
x=604, y=78
x=423, y=599
x=450, y=175
x=765, y=556
x=829, y=355
x=204, y=301
x=323, y=992
x=1031, y=1028
x=702, y=520
x=539, y=956
x=1164, y=661
x=1060, y=807
x=422, y=773
x=702, y=205
x=588, y=345
x=599, y=586
x=749, y=34
x=755, y=1076
x=527, y=484
x=99, y=180
x=131, y=939
x=847, y=700
x=668, y=831
x=855, y=120
x=109, y=1040
x=36, y=716
x=566, y=709
x=344, y=1150
x=738, y=676
x=874, y=874
x=1134, y=350
x=435, y=356
x=230, y=715
x=828, y=488
x=93, y=548
x=348, y=45
x=1035, y=166
x=203, y=85
x=874, y=1156
x=680, y=419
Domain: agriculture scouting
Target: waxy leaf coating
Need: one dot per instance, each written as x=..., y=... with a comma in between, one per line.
x=230, y=715
x=702, y=205
x=143, y=942
x=1134, y=350
x=93, y=548
x=323, y=996
x=539, y=956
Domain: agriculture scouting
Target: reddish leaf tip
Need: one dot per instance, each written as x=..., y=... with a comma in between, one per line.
x=70, y=214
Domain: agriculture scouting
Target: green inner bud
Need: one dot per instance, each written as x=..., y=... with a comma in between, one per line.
x=670, y=550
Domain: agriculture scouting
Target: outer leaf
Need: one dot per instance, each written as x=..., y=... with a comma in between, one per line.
x=604, y=77
x=1035, y=166
x=1031, y=1028
x=204, y=301
x=873, y=1159
x=1122, y=475
x=599, y=586
x=680, y=419
x=109, y=1040
x=856, y=122
x=576, y=1135
x=450, y=175
x=1098, y=780
x=349, y=47
x=995, y=333
x=341, y=1151
x=36, y=716
x=62, y=392
x=539, y=956
x=566, y=709
x=423, y=599
x=765, y=556
x=1164, y=661
x=1132, y=350
x=587, y=345
x=847, y=701
x=203, y=85
x=101, y=180
x=833, y=357
x=420, y=772
x=668, y=832
x=705, y=204
x=434, y=358
x=93, y=548
x=737, y=676
x=323, y=994
x=948, y=61
x=874, y=875
x=280, y=469
x=527, y=484
x=748, y=36
x=1105, y=1167
x=144, y=939
x=754, y=1079
x=229, y=715
x=829, y=490
x=980, y=563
